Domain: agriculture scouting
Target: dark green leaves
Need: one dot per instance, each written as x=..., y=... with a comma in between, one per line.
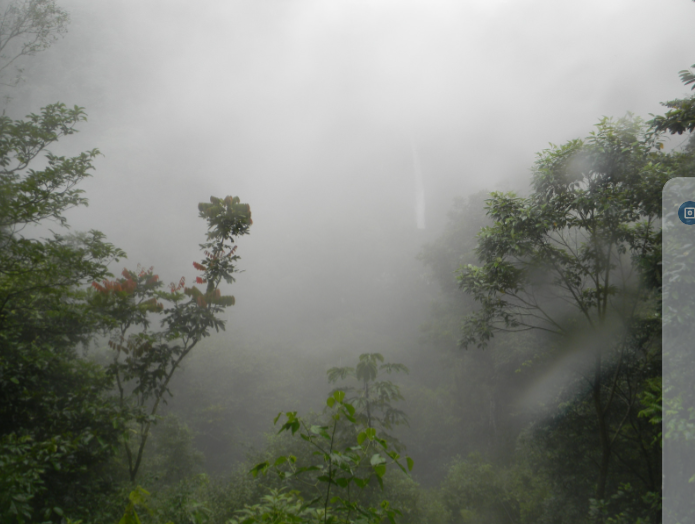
x=59, y=424
x=337, y=466
x=371, y=401
x=565, y=243
x=681, y=114
x=226, y=218
x=29, y=196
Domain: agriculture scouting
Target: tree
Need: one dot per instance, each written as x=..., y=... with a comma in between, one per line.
x=373, y=398
x=340, y=474
x=144, y=361
x=58, y=423
x=454, y=248
x=681, y=114
x=571, y=259
x=475, y=492
x=26, y=28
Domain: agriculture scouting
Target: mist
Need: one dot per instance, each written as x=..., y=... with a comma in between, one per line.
x=307, y=110
x=351, y=128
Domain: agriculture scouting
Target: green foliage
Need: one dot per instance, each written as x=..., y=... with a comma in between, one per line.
x=681, y=114
x=372, y=398
x=648, y=512
x=183, y=502
x=136, y=498
x=432, y=507
x=173, y=456
x=595, y=202
x=30, y=196
x=342, y=470
x=26, y=28
x=475, y=492
x=651, y=399
x=563, y=261
x=22, y=466
x=226, y=219
x=454, y=248
x=278, y=507
x=144, y=361
x=59, y=426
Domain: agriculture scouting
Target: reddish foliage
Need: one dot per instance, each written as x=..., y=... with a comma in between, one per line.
x=174, y=288
x=115, y=286
x=144, y=272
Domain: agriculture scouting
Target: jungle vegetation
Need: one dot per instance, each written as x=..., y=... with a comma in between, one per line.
x=558, y=290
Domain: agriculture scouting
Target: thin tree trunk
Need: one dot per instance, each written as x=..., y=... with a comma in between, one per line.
x=145, y=434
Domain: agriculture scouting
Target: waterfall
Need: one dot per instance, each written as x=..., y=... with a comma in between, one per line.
x=419, y=190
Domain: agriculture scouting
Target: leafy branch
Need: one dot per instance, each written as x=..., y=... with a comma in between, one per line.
x=339, y=468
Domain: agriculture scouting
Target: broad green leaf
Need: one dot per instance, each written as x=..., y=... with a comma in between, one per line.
x=342, y=482
x=361, y=483
x=377, y=459
x=137, y=496
x=326, y=479
x=262, y=467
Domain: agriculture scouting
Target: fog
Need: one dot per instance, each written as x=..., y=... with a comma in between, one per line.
x=347, y=126
x=313, y=111
x=351, y=128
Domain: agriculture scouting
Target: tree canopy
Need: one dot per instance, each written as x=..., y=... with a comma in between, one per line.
x=573, y=260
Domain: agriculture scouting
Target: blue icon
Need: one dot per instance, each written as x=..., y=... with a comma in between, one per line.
x=687, y=213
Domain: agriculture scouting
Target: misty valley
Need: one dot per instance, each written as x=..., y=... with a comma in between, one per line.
x=288, y=289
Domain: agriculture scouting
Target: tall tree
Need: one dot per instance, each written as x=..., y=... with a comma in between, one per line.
x=568, y=260
x=57, y=424
x=372, y=398
x=26, y=28
x=144, y=361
